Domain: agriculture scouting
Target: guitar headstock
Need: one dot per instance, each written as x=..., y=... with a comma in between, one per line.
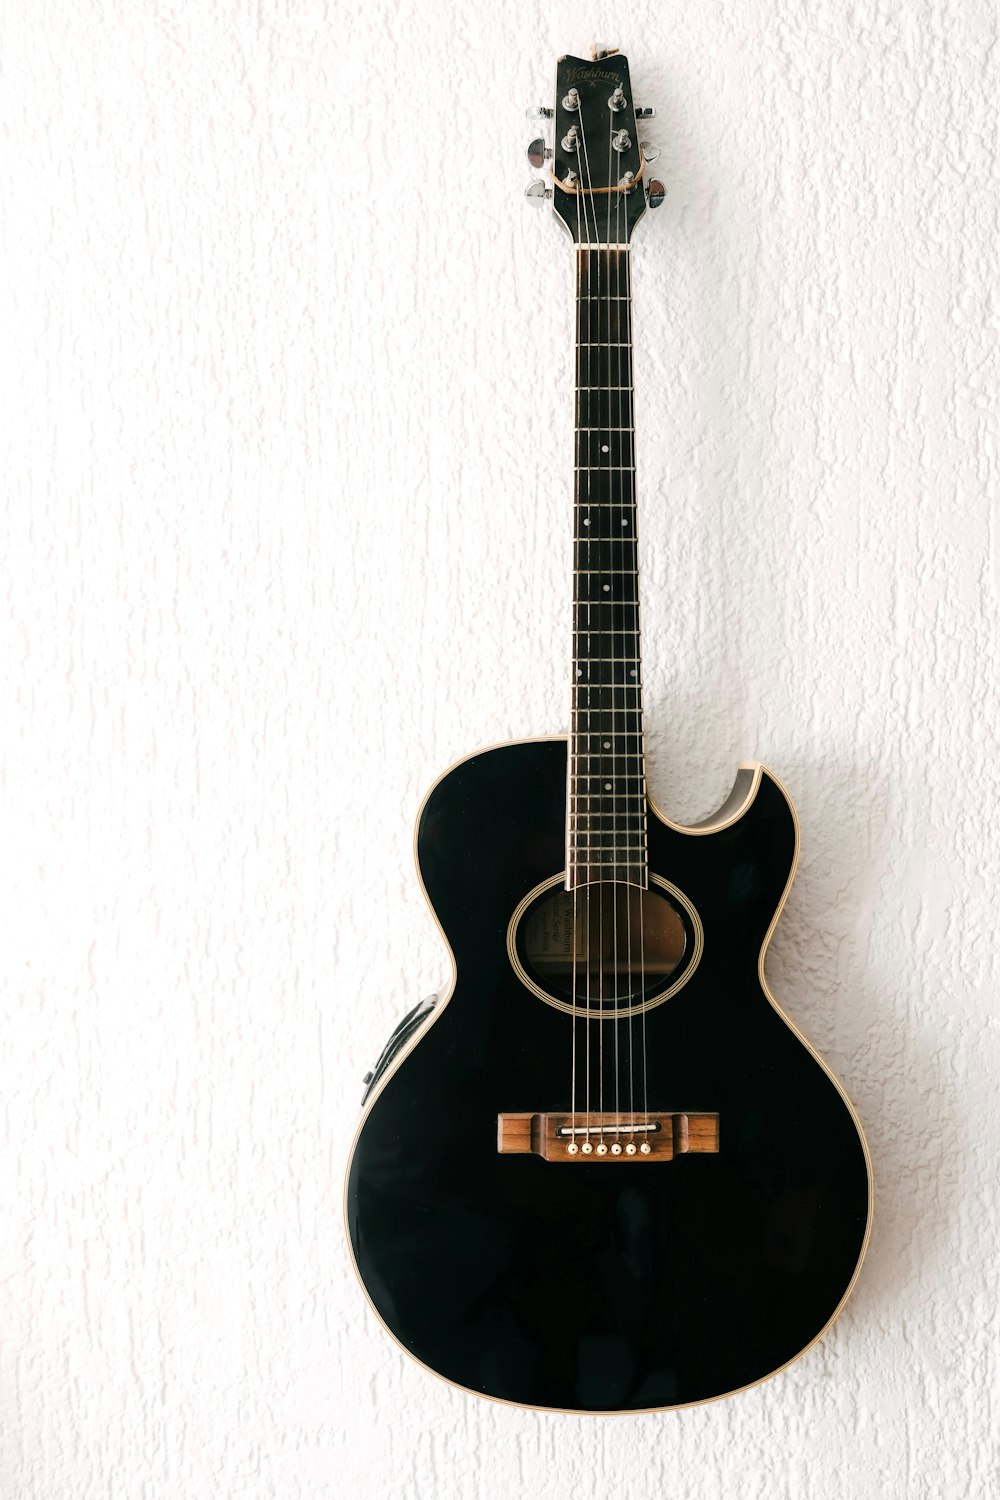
x=596, y=167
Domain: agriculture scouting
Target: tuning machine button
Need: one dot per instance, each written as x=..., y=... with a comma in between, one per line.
x=536, y=193
x=538, y=112
x=649, y=152
x=645, y=114
x=538, y=153
x=656, y=194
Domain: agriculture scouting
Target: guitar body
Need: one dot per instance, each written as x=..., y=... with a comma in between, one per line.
x=615, y=1284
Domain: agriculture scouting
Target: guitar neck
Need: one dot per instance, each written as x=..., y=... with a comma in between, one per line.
x=606, y=808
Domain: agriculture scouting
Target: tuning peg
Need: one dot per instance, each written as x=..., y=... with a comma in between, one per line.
x=645, y=114
x=538, y=112
x=600, y=50
x=656, y=193
x=538, y=153
x=536, y=193
x=650, y=152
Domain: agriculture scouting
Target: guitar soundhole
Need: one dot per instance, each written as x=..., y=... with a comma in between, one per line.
x=608, y=948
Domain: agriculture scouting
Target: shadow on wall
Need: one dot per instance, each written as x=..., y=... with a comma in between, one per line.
x=861, y=887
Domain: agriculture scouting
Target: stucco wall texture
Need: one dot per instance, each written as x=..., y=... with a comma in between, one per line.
x=287, y=446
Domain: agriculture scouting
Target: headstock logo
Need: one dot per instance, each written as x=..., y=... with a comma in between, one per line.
x=586, y=75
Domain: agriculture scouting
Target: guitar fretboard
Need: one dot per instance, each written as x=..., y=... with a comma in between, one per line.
x=606, y=820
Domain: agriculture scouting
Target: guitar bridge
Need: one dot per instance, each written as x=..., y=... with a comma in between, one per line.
x=609, y=1136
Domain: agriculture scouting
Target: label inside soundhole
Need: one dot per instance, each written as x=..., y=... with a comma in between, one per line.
x=607, y=947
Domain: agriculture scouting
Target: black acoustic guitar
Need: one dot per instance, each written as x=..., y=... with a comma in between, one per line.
x=606, y=1173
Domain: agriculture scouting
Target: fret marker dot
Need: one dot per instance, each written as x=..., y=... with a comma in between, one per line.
x=607, y=588
x=631, y=671
x=624, y=522
x=605, y=448
x=587, y=523
x=607, y=744
x=607, y=786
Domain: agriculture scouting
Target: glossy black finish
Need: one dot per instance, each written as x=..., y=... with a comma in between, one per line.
x=599, y=169
x=611, y=1286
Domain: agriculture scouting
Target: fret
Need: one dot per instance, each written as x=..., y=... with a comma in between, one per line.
x=607, y=864
x=605, y=798
x=612, y=525
x=624, y=785
x=595, y=636
x=630, y=852
x=603, y=759
x=611, y=854
x=624, y=853
x=603, y=319
x=594, y=742
x=591, y=691
x=627, y=826
x=592, y=656
x=610, y=724
x=610, y=811
x=601, y=789
x=611, y=487
x=597, y=554
x=626, y=638
x=623, y=639
x=583, y=819
x=601, y=672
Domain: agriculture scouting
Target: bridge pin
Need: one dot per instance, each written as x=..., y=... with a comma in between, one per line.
x=572, y=1148
x=630, y=1149
x=586, y=1148
x=645, y=1148
x=602, y=1149
x=616, y=1149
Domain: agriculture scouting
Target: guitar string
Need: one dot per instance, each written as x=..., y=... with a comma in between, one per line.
x=621, y=202
x=584, y=195
x=639, y=745
x=576, y=717
x=608, y=549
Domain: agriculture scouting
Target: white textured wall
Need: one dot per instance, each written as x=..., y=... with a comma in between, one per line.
x=286, y=424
